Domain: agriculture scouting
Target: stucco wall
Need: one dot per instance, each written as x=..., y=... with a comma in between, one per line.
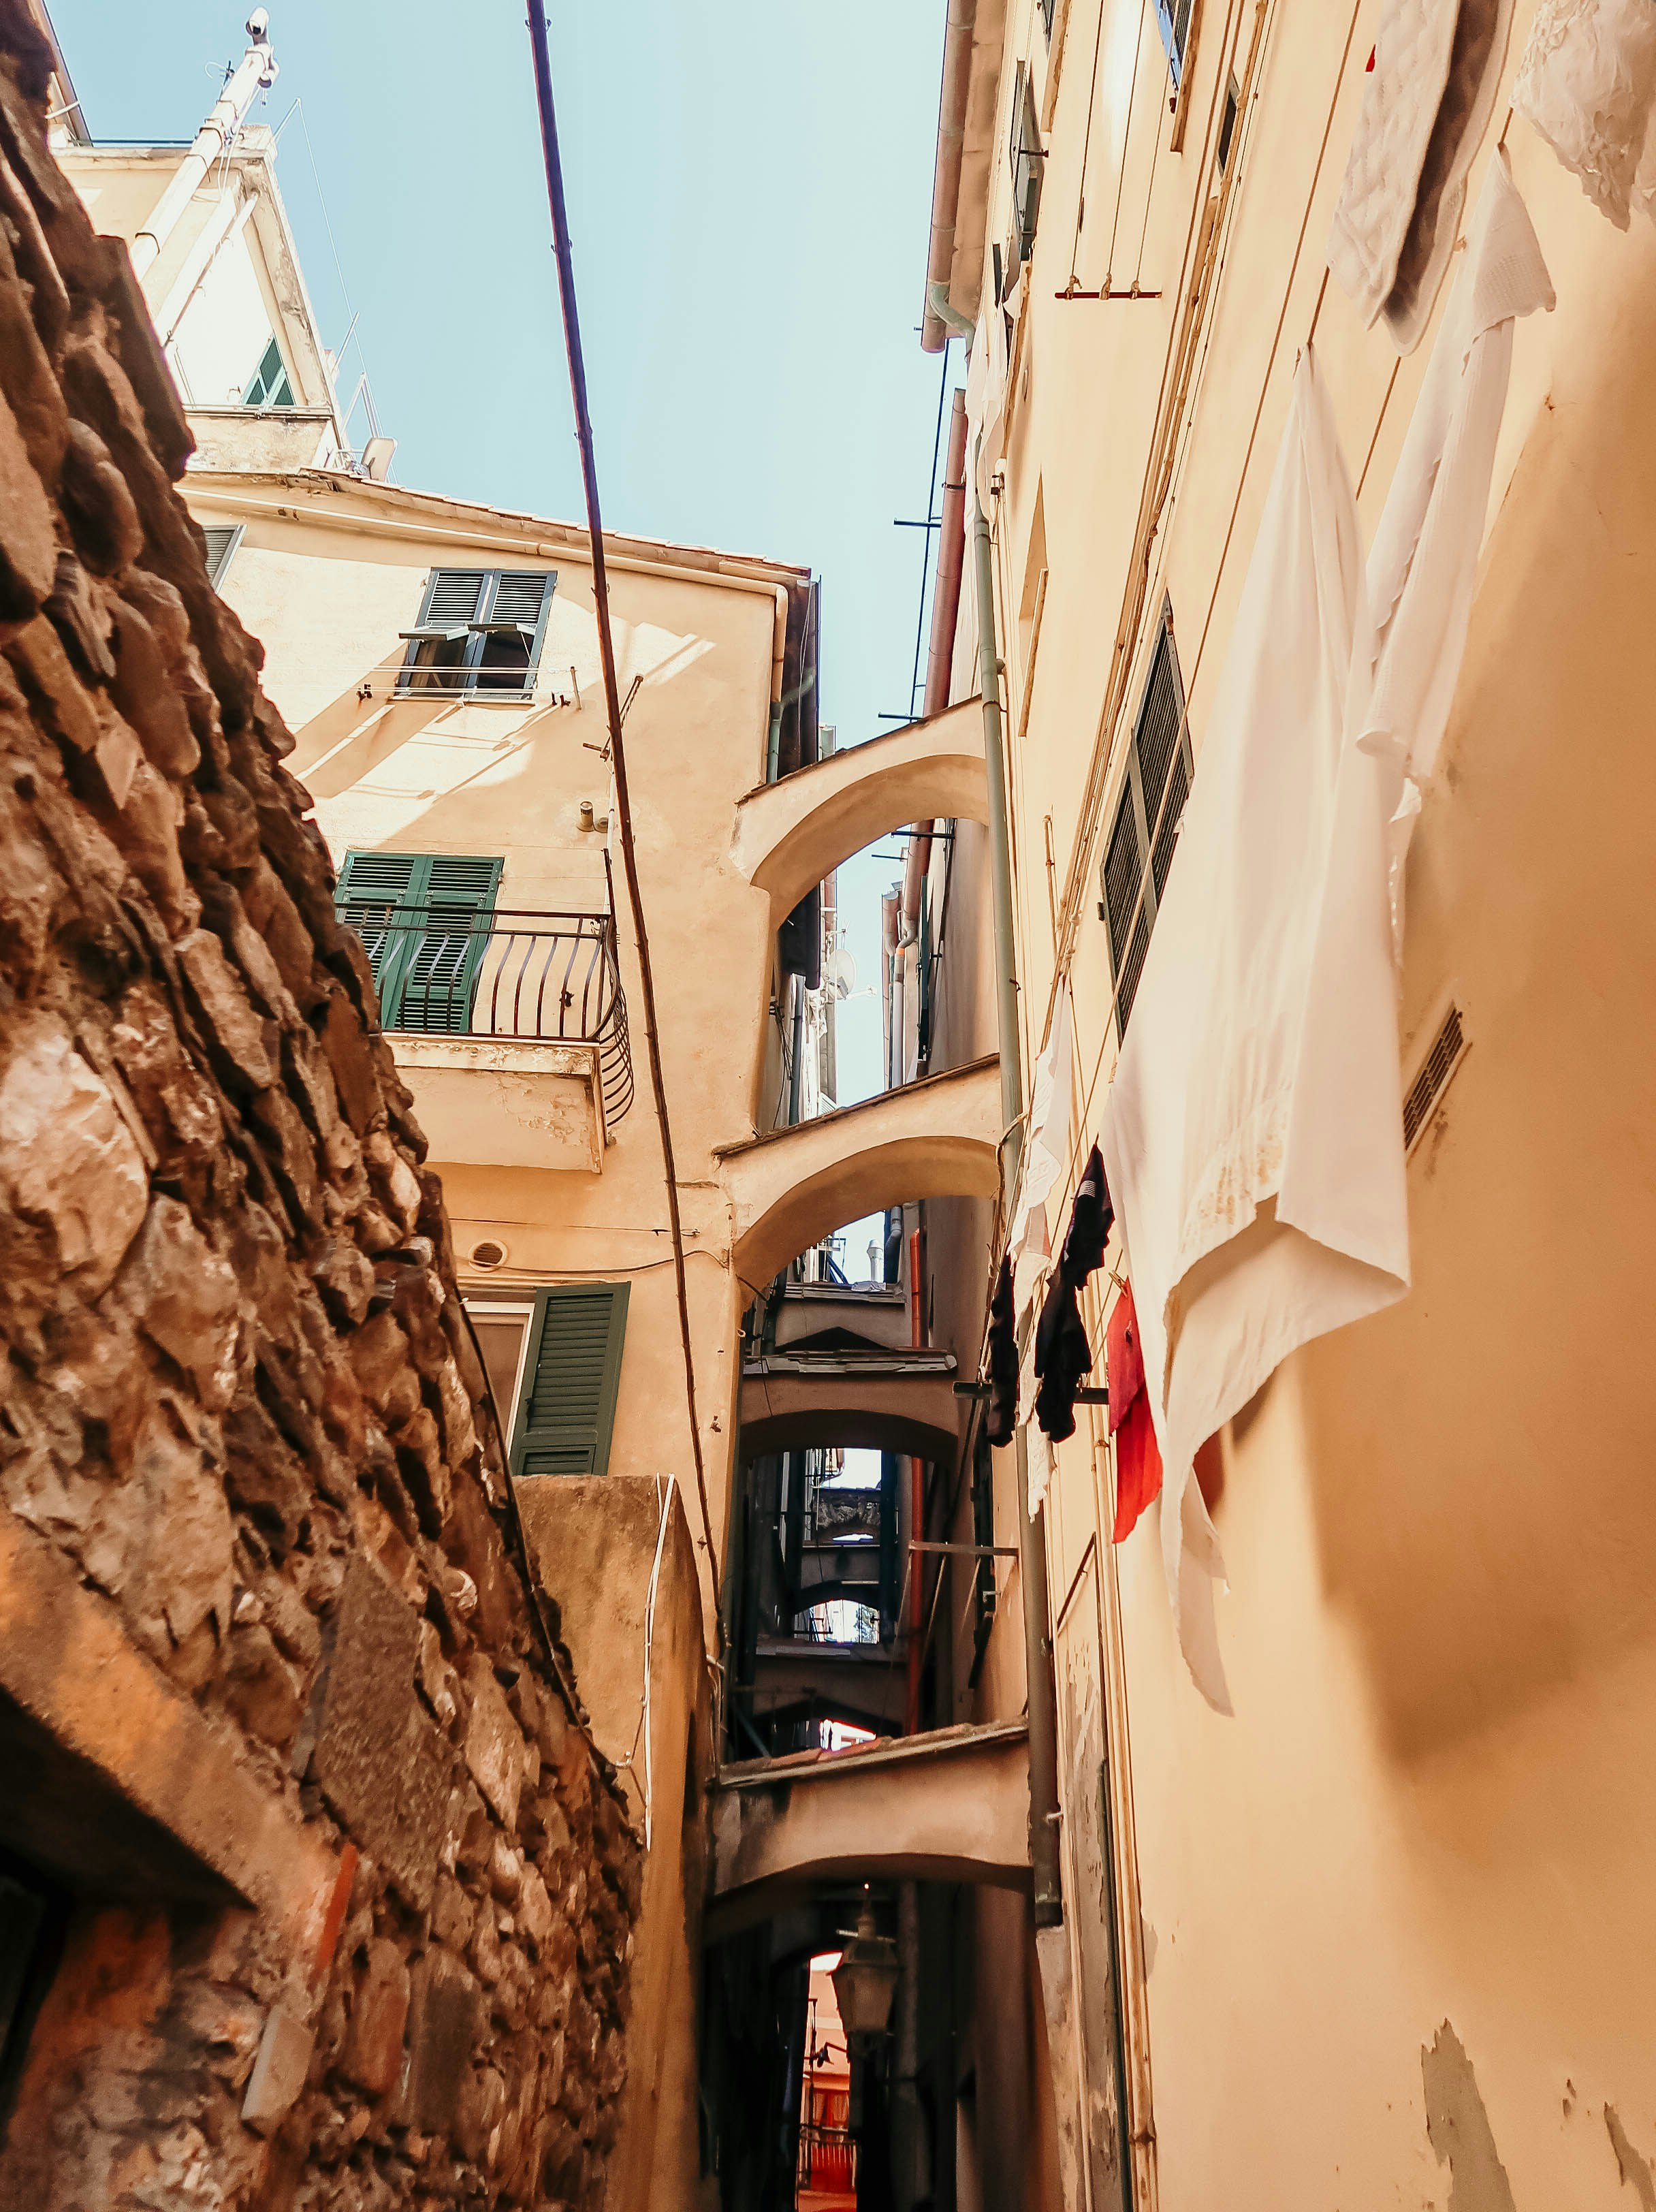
x=1400, y=1894
x=426, y=775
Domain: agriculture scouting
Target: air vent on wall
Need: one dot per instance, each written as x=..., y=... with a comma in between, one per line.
x=1443, y=1056
x=488, y=1254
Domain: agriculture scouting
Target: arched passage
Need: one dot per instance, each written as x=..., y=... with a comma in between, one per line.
x=951, y=1806
x=791, y=834
x=938, y=1138
x=860, y=1402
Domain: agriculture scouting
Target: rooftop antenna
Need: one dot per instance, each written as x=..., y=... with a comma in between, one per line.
x=254, y=73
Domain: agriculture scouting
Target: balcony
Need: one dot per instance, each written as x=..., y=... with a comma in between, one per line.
x=532, y=1001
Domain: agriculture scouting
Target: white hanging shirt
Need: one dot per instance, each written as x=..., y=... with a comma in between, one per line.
x=1252, y=1136
x=1587, y=82
x=1195, y=1128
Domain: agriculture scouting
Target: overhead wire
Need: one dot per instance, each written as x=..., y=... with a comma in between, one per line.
x=542, y=59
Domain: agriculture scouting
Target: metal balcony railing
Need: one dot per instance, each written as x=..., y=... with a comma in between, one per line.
x=827, y=2156
x=517, y=975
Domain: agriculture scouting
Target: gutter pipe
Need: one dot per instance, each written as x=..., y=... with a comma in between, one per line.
x=935, y=324
x=1032, y=1552
x=254, y=73
x=940, y=652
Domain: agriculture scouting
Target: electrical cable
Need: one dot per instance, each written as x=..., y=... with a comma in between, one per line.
x=542, y=59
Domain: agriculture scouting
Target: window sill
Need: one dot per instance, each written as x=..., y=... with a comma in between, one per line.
x=489, y=698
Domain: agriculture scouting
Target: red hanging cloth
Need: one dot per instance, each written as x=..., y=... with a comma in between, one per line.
x=1137, y=1455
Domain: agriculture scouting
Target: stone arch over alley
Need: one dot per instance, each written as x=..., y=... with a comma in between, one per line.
x=938, y=1138
x=791, y=834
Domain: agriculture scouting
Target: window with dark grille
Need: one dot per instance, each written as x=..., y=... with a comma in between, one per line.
x=571, y=1376
x=982, y=1535
x=1139, y=851
x=1173, y=19
x=222, y=539
x=1228, y=122
x=479, y=633
x=269, y=386
x=1445, y=1052
x=1029, y=161
x=425, y=920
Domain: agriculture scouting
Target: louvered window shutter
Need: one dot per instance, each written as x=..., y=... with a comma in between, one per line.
x=222, y=538
x=440, y=644
x=567, y=1413
x=373, y=895
x=509, y=634
x=446, y=952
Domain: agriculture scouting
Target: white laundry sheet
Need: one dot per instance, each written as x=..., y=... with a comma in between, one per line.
x=1587, y=82
x=1252, y=1137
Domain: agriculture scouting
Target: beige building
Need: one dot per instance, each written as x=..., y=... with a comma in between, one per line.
x=1381, y=1932
x=1377, y=1935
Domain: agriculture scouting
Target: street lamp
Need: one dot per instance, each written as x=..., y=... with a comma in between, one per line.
x=866, y=1977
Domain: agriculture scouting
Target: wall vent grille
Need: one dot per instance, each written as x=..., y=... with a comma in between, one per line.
x=1447, y=1050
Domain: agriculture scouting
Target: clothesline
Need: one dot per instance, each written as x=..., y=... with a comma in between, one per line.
x=1062, y=969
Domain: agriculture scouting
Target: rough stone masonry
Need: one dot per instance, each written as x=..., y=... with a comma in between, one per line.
x=339, y=1895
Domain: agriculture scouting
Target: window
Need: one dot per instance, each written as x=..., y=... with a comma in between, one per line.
x=479, y=633
x=425, y=920
x=572, y=1374
x=1228, y=121
x=501, y=1327
x=1029, y=161
x=270, y=387
x=1173, y=20
x=1146, y=826
x=222, y=539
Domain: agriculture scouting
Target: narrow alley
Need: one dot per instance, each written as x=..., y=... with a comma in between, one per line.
x=764, y=1452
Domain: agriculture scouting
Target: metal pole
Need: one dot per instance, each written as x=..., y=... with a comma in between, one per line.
x=1037, y=1616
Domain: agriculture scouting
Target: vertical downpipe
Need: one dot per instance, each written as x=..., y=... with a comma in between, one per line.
x=1032, y=1551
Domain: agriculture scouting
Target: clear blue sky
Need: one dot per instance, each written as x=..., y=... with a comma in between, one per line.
x=750, y=183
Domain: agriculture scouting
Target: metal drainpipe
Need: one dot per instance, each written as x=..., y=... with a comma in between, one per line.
x=773, y=743
x=797, y=1072
x=254, y=73
x=1032, y=1553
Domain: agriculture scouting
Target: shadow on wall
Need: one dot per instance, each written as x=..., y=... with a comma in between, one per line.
x=1481, y=1453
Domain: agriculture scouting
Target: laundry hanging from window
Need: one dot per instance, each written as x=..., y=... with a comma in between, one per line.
x=1063, y=1357
x=1426, y=101
x=1252, y=1134
x=1587, y=82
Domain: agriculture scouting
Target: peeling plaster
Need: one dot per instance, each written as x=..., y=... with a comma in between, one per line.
x=1458, y=2128
x=1634, y=2170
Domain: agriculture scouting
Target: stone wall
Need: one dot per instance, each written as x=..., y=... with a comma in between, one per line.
x=343, y=1893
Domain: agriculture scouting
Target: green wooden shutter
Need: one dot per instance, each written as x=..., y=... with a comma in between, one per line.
x=371, y=888
x=566, y=1410
x=438, y=980
x=505, y=648
x=441, y=644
